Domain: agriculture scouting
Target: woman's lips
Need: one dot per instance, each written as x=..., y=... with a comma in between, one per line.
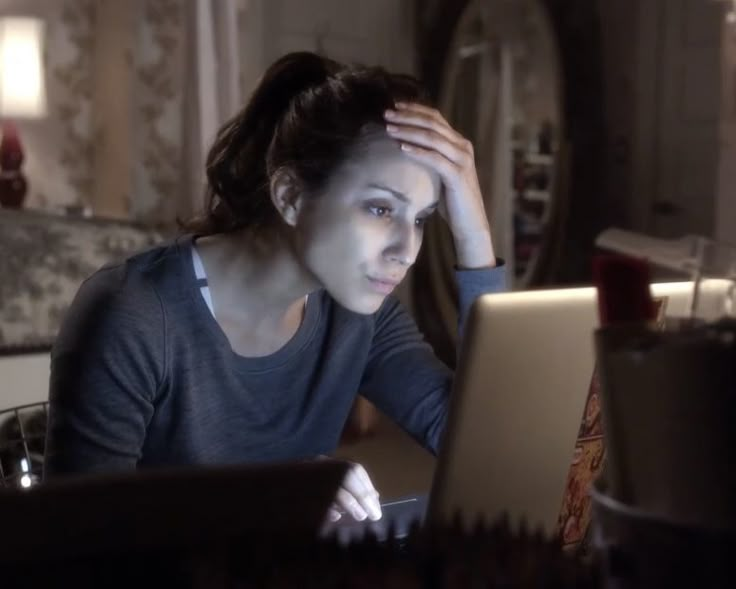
x=382, y=285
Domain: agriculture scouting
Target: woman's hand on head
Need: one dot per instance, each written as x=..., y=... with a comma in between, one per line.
x=428, y=138
x=357, y=497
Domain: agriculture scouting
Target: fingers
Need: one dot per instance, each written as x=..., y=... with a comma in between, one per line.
x=426, y=129
x=348, y=503
x=359, y=485
x=429, y=139
x=358, y=497
x=418, y=117
x=333, y=514
x=426, y=117
x=360, y=474
x=433, y=159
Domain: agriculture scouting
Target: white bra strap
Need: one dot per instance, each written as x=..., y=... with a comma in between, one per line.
x=202, y=279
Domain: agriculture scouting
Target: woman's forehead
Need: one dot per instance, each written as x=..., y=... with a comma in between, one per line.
x=381, y=161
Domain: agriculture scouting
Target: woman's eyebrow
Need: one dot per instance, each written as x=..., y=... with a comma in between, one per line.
x=400, y=195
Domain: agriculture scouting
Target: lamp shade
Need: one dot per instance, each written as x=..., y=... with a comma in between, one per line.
x=22, y=86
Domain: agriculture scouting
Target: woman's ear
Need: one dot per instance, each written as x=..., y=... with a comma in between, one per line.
x=286, y=195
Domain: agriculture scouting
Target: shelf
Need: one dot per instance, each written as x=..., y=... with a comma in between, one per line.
x=538, y=158
x=538, y=195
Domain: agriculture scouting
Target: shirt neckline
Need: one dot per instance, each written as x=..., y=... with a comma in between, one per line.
x=301, y=338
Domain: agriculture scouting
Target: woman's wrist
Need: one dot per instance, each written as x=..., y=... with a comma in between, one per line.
x=473, y=252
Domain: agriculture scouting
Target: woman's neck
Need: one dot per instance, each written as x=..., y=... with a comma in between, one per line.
x=260, y=280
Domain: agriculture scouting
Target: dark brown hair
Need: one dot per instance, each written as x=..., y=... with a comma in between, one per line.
x=306, y=114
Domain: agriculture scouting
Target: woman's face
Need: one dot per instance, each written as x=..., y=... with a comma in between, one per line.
x=360, y=236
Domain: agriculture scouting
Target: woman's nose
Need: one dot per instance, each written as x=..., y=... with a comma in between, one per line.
x=403, y=260
x=404, y=246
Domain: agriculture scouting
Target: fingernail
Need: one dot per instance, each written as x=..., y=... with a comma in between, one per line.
x=406, y=147
x=392, y=128
x=390, y=114
x=359, y=513
x=376, y=513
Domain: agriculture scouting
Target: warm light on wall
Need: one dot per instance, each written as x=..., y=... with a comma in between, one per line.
x=730, y=10
x=22, y=88
x=22, y=95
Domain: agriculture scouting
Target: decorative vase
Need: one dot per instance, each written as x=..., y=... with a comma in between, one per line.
x=13, y=185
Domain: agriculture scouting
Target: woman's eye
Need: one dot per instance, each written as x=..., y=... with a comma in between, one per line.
x=379, y=211
x=421, y=222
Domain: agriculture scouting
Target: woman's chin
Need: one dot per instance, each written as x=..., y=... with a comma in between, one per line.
x=363, y=305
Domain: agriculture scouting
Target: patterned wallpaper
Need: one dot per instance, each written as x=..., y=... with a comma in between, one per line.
x=157, y=109
x=69, y=50
x=116, y=77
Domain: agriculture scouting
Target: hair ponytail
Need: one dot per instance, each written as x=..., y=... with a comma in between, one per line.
x=304, y=112
x=238, y=184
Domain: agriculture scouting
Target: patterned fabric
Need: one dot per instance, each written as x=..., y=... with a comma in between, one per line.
x=573, y=524
x=44, y=260
x=587, y=465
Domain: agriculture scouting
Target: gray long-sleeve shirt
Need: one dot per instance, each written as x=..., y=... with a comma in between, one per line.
x=142, y=375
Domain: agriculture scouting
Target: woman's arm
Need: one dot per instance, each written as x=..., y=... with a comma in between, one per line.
x=425, y=136
x=403, y=377
x=107, y=365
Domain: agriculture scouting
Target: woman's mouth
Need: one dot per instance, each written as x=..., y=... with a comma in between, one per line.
x=383, y=286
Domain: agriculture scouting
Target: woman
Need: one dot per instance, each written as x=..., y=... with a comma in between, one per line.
x=248, y=339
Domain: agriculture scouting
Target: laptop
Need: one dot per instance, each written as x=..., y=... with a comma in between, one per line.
x=518, y=398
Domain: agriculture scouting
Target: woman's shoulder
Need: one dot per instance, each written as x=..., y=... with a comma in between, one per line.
x=139, y=277
x=160, y=259
x=120, y=301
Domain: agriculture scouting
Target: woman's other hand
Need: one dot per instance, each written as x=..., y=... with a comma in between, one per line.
x=357, y=497
x=426, y=136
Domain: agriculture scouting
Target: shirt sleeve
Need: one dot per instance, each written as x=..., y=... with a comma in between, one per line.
x=107, y=365
x=403, y=377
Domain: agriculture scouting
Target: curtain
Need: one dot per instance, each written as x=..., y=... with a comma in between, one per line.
x=213, y=88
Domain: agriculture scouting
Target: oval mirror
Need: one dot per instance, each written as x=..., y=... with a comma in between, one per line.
x=501, y=89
